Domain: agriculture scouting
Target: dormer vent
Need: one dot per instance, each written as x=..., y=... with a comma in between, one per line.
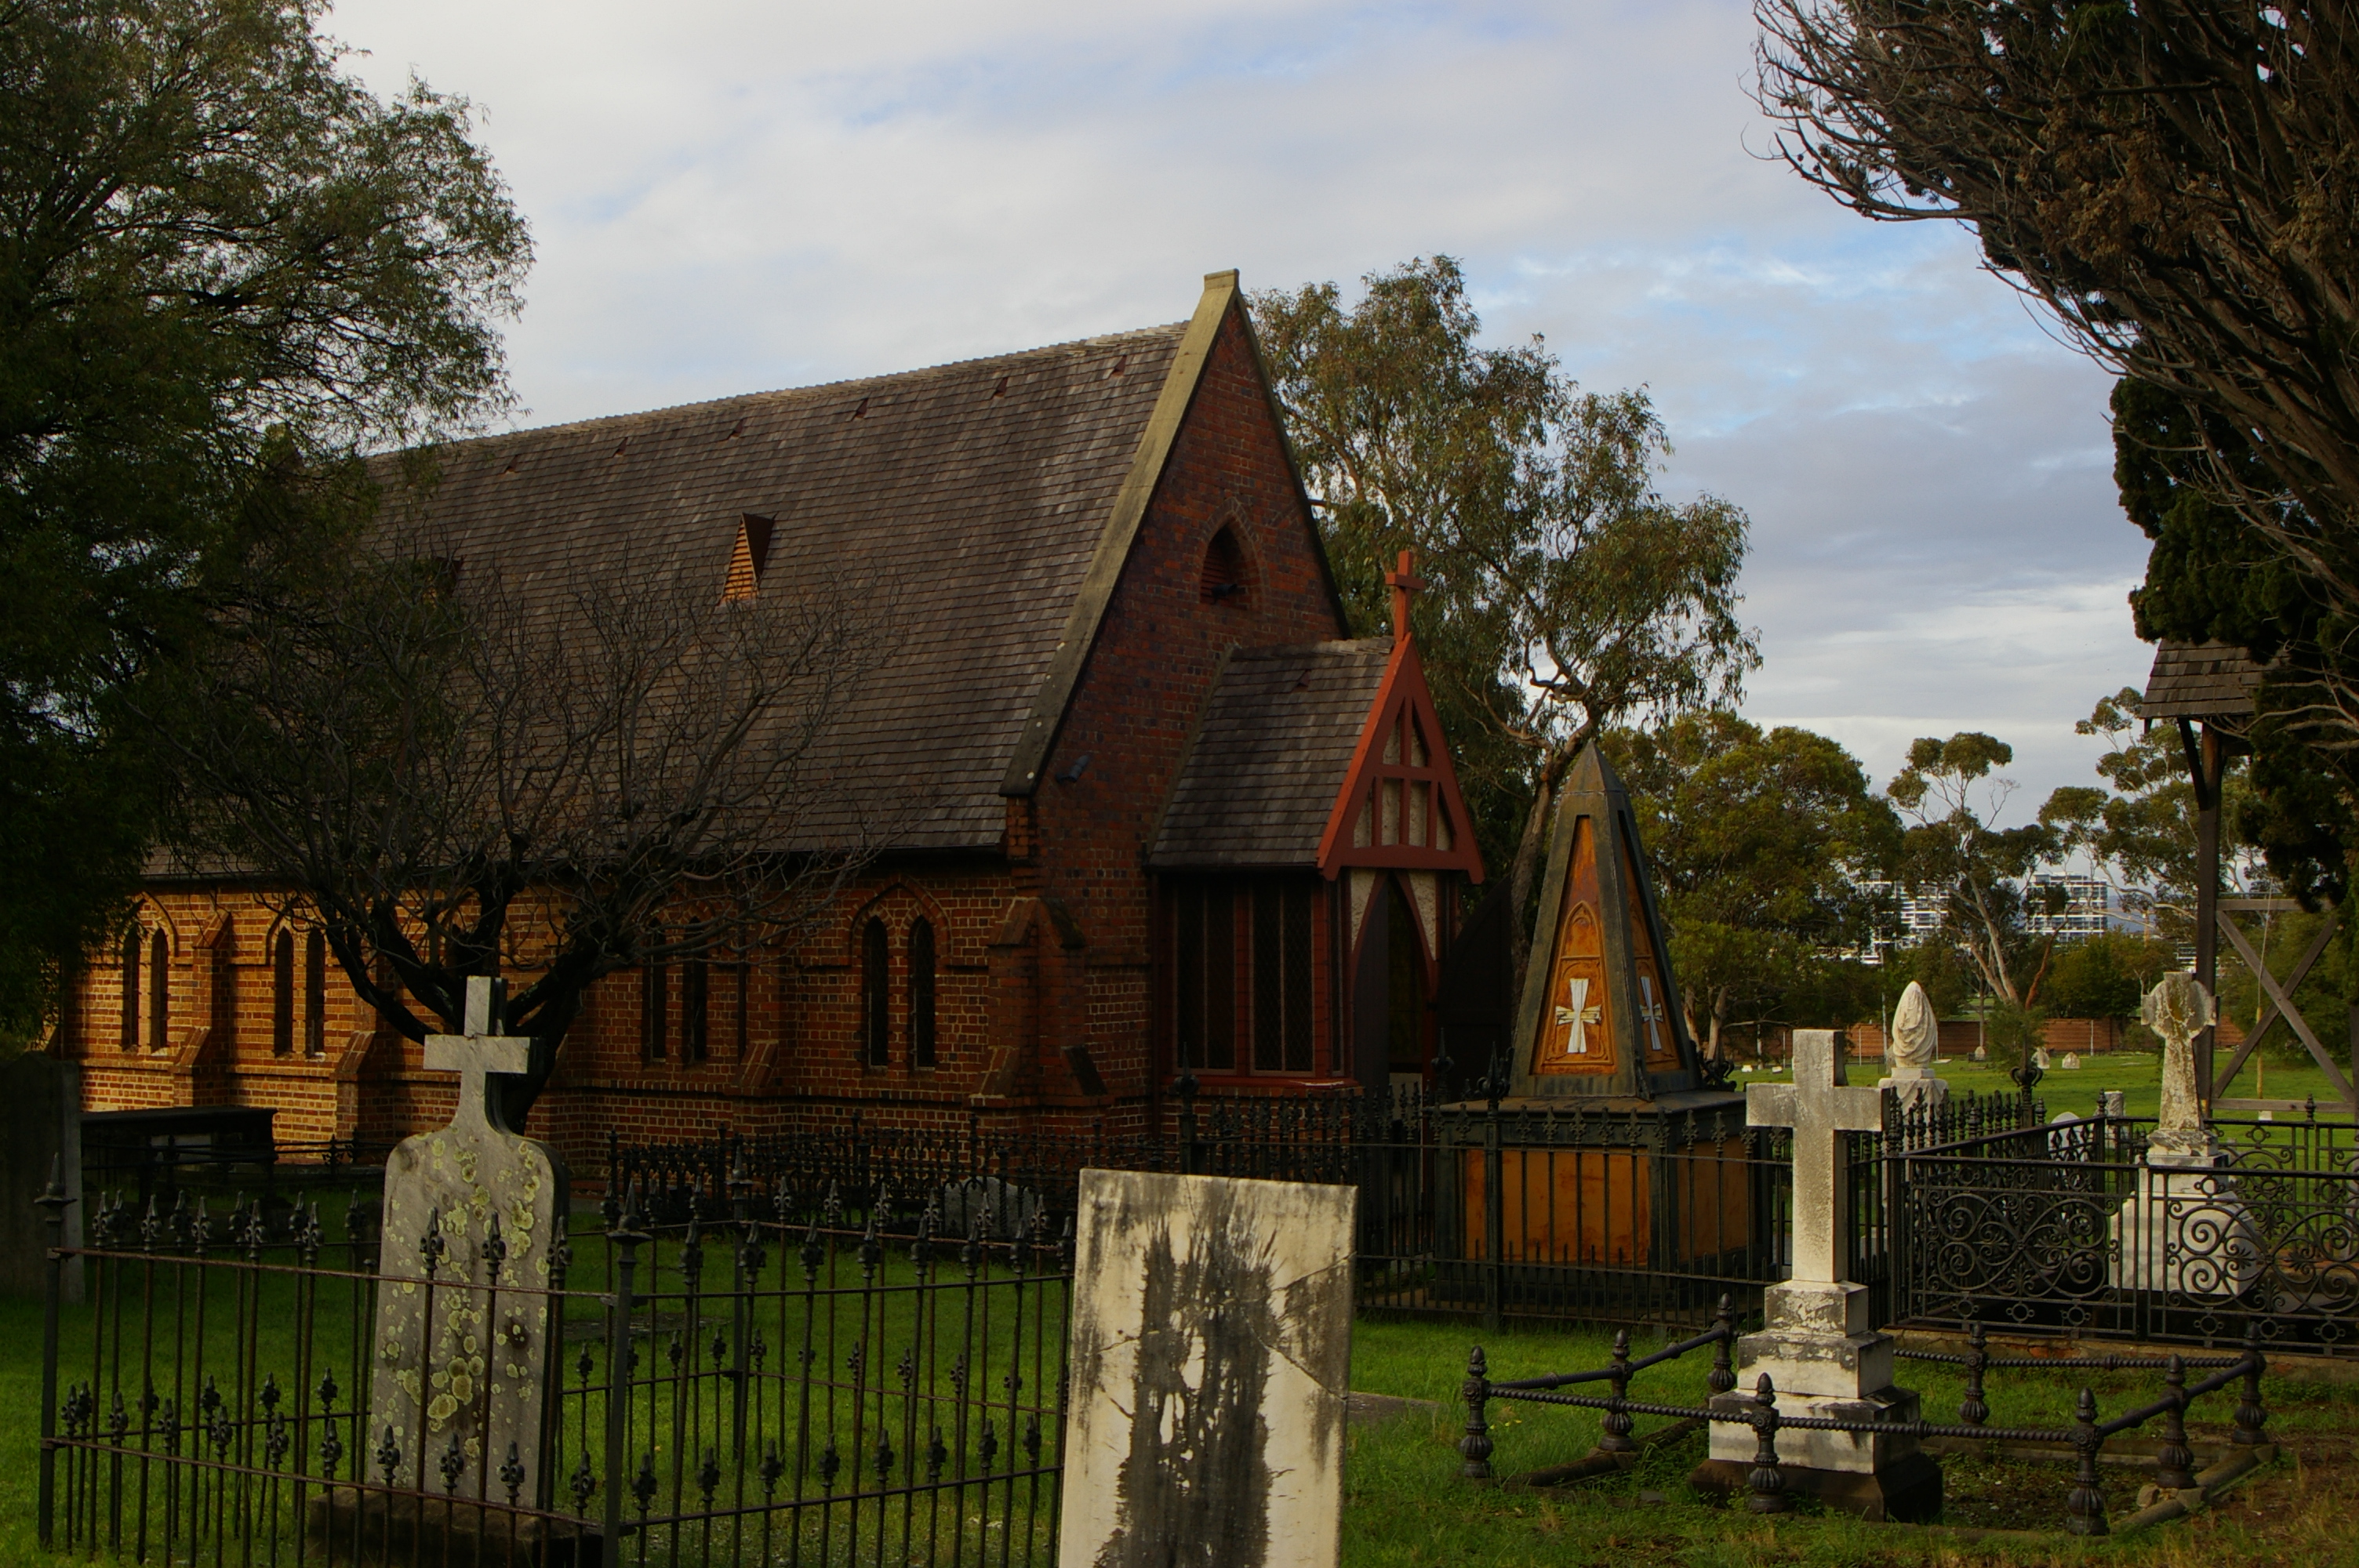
x=1223, y=575
x=750, y=557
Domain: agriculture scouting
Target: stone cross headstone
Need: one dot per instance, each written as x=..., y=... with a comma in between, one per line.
x=1916, y=1036
x=473, y=1213
x=1210, y=1363
x=1818, y=1347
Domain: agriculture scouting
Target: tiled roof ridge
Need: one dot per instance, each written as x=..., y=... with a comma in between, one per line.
x=612, y=421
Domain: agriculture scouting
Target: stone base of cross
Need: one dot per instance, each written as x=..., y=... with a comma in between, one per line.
x=1820, y=1347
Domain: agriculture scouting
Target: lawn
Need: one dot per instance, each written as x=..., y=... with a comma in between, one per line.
x=1405, y=1506
x=2137, y=1074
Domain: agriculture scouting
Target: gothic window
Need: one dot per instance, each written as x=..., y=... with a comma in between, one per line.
x=282, y=994
x=921, y=992
x=159, y=992
x=655, y=1010
x=875, y=997
x=695, y=1010
x=133, y=940
x=315, y=993
x=1223, y=575
x=1244, y=975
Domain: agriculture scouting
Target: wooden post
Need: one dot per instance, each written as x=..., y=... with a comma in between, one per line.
x=2203, y=764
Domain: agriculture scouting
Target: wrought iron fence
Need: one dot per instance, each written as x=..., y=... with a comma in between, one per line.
x=2070, y=1228
x=793, y=1386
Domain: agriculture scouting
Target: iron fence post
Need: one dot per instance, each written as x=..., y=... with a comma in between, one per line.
x=2084, y=1508
x=2250, y=1413
x=53, y=1201
x=626, y=1240
x=1474, y=1448
x=1768, y=1481
x=1495, y=1214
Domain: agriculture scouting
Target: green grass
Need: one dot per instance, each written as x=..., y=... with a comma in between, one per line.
x=2137, y=1074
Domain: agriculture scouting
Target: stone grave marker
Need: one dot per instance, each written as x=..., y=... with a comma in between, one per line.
x=1824, y=1355
x=1212, y=1336
x=2186, y=1233
x=1916, y=1034
x=472, y=1213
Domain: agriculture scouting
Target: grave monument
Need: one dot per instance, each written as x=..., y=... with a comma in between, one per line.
x=2185, y=1234
x=1209, y=1364
x=473, y=1214
x=1601, y=1051
x=1819, y=1347
x=1916, y=1036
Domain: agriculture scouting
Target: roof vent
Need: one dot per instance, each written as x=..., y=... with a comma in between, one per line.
x=1119, y=361
x=1001, y=390
x=861, y=412
x=738, y=428
x=750, y=558
x=513, y=458
x=621, y=447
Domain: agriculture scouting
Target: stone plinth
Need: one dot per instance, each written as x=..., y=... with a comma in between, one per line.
x=1826, y=1360
x=2186, y=1234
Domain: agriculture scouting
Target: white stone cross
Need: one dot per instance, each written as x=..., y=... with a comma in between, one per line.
x=1821, y=1107
x=478, y=1054
x=1580, y=1015
x=1651, y=1013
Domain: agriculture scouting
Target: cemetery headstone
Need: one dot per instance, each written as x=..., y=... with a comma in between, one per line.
x=1821, y=1351
x=1210, y=1364
x=2071, y=1063
x=40, y=1132
x=1916, y=1036
x=2186, y=1233
x=2040, y=1059
x=473, y=1213
x=1982, y=1053
x=2113, y=1103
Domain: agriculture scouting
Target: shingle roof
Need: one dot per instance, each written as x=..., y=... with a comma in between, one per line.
x=1269, y=755
x=969, y=498
x=2199, y=680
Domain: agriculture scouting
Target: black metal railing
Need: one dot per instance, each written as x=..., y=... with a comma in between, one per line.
x=2069, y=1229
x=792, y=1387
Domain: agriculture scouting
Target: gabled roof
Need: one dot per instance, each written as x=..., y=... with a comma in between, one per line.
x=990, y=504
x=1269, y=755
x=2200, y=680
x=1317, y=756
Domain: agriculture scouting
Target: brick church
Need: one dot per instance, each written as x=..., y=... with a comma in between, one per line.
x=1176, y=819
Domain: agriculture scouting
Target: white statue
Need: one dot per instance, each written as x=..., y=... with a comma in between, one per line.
x=1915, y=1031
x=2179, y=1009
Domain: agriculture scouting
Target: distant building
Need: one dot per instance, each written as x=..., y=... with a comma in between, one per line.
x=1911, y=918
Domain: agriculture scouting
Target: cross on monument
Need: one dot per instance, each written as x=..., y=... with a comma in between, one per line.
x=1405, y=583
x=1650, y=1012
x=1821, y=1107
x=1581, y=1013
x=480, y=1052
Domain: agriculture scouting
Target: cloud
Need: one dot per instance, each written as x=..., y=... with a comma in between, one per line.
x=729, y=196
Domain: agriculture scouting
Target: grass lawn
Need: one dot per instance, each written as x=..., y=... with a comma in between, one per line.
x=2137, y=1074
x=1405, y=1506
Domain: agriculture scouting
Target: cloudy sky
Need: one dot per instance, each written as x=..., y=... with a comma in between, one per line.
x=729, y=196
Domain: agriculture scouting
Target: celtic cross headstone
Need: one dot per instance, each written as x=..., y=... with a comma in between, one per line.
x=474, y=1214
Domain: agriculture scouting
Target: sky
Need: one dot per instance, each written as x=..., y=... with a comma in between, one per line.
x=728, y=197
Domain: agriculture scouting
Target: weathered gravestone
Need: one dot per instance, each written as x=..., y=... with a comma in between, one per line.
x=472, y=1214
x=1212, y=1337
x=1916, y=1034
x=2185, y=1234
x=1819, y=1347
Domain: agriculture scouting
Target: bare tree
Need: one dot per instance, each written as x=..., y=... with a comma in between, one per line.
x=456, y=768
x=2173, y=181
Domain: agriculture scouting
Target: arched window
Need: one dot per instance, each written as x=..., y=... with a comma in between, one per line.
x=1224, y=570
x=655, y=1010
x=133, y=940
x=315, y=993
x=921, y=992
x=159, y=992
x=875, y=997
x=282, y=994
x=695, y=1010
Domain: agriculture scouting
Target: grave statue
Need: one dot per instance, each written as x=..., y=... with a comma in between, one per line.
x=2186, y=1235
x=1820, y=1347
x=473, y=1217
x=2040, y=1059
x=1916, y=1034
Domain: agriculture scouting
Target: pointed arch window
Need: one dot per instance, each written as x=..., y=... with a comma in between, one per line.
x=159, y=992
x=282, y=994
x=875, y=996
x=132, y=940
x=1223, y=575
x=921, y=992
x=315, y=993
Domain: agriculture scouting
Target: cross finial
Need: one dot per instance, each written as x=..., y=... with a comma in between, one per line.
x=1403, y=582
x=479, y=1053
